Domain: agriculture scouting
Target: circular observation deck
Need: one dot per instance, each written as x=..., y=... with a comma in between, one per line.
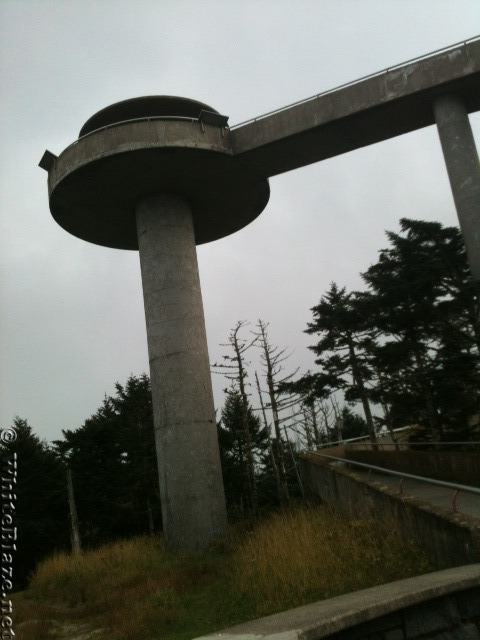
x=140, y=147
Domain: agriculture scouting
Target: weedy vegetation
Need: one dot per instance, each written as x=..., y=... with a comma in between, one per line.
x=135, y=589
x=306, y=555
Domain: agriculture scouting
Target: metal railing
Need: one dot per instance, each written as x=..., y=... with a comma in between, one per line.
x=456, y=488
x=360, y=439
x=294, y=104
x=463, y=43
x=451, y=47
x=415, y=446
x=143, y=119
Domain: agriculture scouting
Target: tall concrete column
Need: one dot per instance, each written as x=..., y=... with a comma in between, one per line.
x=463, y=168
x=191, y=487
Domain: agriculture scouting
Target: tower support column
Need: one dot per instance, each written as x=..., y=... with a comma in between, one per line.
x=463, y=167
x=191, y=487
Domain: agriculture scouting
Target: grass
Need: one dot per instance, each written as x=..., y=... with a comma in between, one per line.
x=135, y=589
x=307, y=555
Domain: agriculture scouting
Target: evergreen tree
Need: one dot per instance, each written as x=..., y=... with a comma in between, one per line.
x=40, y=512
x=341, y=349
x=425, y=309
x=352, y=425
x=233, y=451
x=113, y=463
x=236, y=372
x=133, y=407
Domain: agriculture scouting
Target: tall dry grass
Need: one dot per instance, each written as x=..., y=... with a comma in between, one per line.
x=128, y=586
x=135, y=589
x=90, y=577
x=306, y=555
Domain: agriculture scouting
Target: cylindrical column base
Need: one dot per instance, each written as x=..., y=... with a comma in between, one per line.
x=463, y=169
x=191, y=487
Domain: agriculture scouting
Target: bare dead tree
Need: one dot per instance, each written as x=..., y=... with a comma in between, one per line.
x=294, y=463
x=328, y=414
x=271, y=359
x=234, y=369
x=75, y=532
x=282, y=496
x=306, y=425
x=311, y=426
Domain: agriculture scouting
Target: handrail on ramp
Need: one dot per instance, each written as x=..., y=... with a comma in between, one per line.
x=462, y=43
x=403, y=476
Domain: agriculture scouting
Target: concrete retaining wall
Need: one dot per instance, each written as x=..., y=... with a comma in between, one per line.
x=448, y=539
x=461, y=467
x=444, y=605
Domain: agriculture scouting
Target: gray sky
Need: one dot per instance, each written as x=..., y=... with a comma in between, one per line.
x=72, y=320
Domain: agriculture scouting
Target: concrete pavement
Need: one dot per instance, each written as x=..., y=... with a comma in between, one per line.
x=467, y=503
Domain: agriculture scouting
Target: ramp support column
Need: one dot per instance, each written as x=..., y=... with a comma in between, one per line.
x=463, y=169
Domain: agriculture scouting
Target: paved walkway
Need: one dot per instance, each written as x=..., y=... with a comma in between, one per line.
x=467, y=503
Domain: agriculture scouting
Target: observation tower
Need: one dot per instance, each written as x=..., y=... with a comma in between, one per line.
x=161, y=174
x=158, y=174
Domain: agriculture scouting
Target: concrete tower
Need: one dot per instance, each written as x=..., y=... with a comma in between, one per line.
x=158, y=174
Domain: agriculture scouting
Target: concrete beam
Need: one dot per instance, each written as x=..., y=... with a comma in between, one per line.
x=379, y=107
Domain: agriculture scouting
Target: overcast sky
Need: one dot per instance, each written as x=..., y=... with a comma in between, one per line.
x=72, y=319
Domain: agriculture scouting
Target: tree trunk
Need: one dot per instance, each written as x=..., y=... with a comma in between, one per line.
x=295, y=465
x=358, y=379
x=308, y=434
x=274, y=408
x=252, y=485
x=315, y=424
x=430, y=406
x=282, y=498
x=75, y=533
x=151, y=530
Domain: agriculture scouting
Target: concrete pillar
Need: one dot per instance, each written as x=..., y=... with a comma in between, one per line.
x=191, y=487
x=463, y=168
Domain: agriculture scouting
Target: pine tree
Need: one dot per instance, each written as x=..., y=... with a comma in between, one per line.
x=424, y=307
x=341, y=349
x=352, y=425
x=236, y=372
x=40, y=505
x=113, y=464
x=233, y=451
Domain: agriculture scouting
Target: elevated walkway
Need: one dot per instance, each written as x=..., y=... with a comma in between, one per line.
x=453, y=468
x=438, y=516
x=383, y=105
x=444, y=497
x=446, y=522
